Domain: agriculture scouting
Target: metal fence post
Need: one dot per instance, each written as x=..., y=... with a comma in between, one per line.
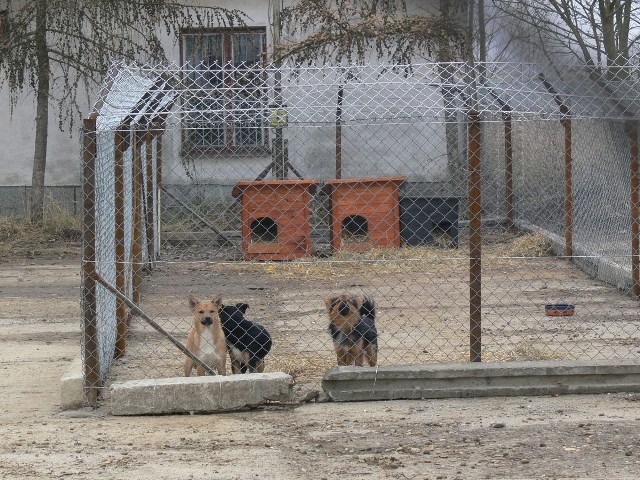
x=508, y=164
x=568, y=188
x=632, y=131
x=475, y=238
x=90, y=347
x=158, y=193
x=136, y=198
x=148, y=200
x=565, y=121
x=121, y=308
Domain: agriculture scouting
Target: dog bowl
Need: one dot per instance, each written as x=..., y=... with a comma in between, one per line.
x=559, y=309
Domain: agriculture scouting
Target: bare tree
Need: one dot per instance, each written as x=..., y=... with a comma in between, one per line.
x=354, y=31
x=60, y=49
x=350, y=31
x=599, y=33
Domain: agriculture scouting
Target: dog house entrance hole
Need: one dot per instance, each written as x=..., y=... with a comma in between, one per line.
x=355, y=228
x=264, y=229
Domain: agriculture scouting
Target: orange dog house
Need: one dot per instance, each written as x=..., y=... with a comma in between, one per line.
x=276, y=218
x=365, y=213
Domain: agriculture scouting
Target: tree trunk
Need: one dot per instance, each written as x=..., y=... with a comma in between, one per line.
x=447, y=80
x=42, y=114
x=482, y=42
x=615, y=20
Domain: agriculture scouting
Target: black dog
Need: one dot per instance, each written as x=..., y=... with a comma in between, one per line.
x=248, y=342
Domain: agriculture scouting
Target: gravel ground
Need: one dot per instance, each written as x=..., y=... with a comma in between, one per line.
x=590, y=436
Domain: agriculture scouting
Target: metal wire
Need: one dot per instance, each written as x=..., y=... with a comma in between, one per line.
x=362, y=181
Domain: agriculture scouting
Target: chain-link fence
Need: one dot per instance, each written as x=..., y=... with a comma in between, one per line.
x=365, y=214
x=15, y=200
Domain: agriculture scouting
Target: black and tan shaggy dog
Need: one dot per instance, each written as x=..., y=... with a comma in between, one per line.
x=248, y=342
x=353, y=329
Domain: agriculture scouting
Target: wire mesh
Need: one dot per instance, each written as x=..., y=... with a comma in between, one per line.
x=365, y=214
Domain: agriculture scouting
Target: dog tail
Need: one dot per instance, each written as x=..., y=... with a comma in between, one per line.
x=368, y=309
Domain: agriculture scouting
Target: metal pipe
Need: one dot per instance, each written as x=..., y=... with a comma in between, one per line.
x=137, y=202
x=632, y=130
x=508, y=167
x=568, y=189
x=121, y=310
x=90, y=348
x=149, y=216
x=203, y=220
x=138, y=311
x=565, y=121
x=475, y=238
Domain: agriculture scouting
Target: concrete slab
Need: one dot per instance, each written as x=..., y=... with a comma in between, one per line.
x=72, y=386
x=199, y=394
x=481, y=380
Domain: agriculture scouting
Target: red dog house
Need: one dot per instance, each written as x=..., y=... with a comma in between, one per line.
x=365, y=213
x=275, y=218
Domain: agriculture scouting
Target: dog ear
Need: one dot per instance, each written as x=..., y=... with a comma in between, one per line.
x=367, y=307
x=193, y=301
x=330, y=301
x=242, y=307
x=216, y=299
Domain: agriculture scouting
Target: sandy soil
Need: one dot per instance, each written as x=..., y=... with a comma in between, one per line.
x=594, y=437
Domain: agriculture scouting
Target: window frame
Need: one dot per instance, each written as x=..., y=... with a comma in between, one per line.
x=229, y=147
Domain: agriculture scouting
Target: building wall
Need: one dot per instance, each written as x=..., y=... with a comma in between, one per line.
x=17, y=137
x=17, y=130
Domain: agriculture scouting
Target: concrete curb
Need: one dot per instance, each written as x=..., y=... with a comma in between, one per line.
x=588, y=261
x=72, y=386
x=480, y=380
x=199, y=394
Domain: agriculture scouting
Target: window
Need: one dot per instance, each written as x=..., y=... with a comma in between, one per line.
x=227, y=100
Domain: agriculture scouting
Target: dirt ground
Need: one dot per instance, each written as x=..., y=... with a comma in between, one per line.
x=422, y=311
x=590, y=436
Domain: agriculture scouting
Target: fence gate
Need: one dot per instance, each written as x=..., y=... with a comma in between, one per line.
x=488, y=212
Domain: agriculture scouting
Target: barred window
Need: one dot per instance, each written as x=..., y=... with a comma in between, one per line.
x=225, y=112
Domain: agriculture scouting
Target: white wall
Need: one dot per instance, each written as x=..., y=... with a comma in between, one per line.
x=17, y=137
x=17, y=130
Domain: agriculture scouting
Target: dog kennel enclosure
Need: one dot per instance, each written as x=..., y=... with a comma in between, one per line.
x=471, y=195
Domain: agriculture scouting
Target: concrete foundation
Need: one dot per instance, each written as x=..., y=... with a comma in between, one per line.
x=481, y=380
x=199, y=394
x=72, y=386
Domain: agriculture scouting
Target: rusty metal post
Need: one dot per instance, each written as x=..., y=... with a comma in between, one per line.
x=136, y=201
x=90, y=347
x=158, y=192
x=118, y=172
x=632, y=130
x=475, y=237
x=508, y=165
x=565, y=121
x=339, y=133
x=568, y=189
x=148, y=201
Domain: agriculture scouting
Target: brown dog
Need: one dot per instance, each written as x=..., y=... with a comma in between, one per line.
x=206, y=339
x=353, y=330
